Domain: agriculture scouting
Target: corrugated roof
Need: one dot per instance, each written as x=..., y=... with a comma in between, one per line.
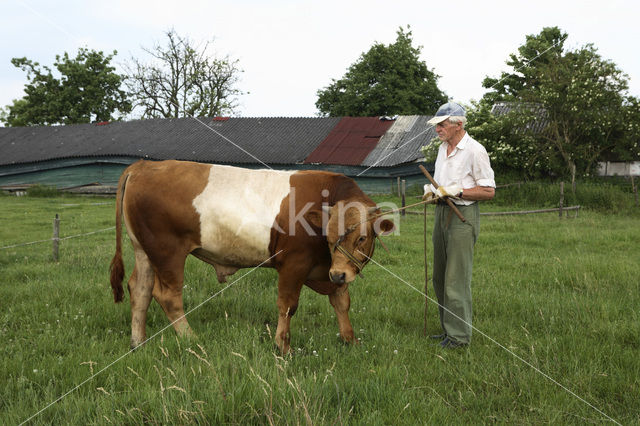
x=350, y=141
x=272, y=140
x=402, y=142
x=540, y=117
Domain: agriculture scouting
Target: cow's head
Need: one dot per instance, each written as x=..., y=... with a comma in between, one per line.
x=351, y=229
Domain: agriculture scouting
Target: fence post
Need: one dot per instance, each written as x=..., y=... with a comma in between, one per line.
x=561, y=199
x=56, y=237
x=403, y=213
x=398, y=185
x=635, y=190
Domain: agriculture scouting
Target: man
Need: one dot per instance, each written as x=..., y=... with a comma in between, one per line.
x=464, y=174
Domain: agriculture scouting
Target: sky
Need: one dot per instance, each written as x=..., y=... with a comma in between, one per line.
x=288, y=50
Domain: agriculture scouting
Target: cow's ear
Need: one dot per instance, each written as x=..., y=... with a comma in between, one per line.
x=314, y=217
x=384, y=227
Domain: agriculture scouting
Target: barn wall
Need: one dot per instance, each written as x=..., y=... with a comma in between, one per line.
x=65, y=173
x=77, y=172
x=105, y=174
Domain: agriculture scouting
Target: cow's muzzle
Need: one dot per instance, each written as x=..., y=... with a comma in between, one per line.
x=337, y=277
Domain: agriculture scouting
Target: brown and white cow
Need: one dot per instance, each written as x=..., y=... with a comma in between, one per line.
x=236, y=218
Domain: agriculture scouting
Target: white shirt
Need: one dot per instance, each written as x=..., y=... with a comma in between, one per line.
x=468, y=166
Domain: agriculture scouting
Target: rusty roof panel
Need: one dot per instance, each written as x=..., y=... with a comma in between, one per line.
x=350, y=141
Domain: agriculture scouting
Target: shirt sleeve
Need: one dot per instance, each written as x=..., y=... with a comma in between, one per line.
x=481, y=168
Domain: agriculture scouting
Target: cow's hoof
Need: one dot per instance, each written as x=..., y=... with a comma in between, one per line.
x=350, y=340
x=187, y=336
x=284, y=351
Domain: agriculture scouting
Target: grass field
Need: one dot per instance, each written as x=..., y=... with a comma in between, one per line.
x=561, y=294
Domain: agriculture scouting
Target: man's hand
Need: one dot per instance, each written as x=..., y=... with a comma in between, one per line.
x=452, y=191
x=428, y=193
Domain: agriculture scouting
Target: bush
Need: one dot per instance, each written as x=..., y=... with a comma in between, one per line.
x=604, y=197
x=527, y=194
x=42, y=191
x=612, y=196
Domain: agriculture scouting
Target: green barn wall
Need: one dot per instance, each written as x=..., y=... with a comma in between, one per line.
x=65, y=173
x=77, y=172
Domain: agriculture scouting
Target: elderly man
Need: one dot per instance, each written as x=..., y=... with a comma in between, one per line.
x=464, y=174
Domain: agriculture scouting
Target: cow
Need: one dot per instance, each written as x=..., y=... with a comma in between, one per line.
x=314, y=228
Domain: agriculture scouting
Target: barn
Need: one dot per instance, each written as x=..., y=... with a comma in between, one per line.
x=376, y=151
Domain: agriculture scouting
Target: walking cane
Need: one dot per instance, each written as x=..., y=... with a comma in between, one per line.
x=426, y=269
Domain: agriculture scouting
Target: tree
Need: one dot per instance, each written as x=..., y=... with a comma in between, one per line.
x=88, y=90
x=537, y=51
x=571, y=109
x=386, y=80
x=183, y=81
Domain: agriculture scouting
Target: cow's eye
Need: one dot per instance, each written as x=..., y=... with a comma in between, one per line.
x=362, y=239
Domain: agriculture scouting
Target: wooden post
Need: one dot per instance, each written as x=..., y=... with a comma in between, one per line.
x=56, y=238
x=398, y=185
x=404, y=188
x=561, y=199
x=391, y=180
x=635, y=189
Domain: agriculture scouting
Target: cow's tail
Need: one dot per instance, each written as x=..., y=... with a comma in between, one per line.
x=117, y=266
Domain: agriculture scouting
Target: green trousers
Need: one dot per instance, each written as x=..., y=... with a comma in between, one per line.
x=453, y=242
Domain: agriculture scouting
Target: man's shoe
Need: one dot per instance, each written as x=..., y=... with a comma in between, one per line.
x=438, y=336
x=449, y=343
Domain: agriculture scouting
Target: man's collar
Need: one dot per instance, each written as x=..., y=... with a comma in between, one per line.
x=463, y=142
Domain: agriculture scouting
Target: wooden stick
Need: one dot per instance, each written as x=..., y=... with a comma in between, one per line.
x=449, y=202
x=426, y=271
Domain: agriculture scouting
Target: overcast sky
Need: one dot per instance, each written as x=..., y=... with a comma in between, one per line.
x=290, y=49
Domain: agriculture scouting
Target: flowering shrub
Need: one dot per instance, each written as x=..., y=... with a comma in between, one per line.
x=430, y=151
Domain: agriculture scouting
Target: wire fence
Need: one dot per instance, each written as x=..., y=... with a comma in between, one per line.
x=52, y=239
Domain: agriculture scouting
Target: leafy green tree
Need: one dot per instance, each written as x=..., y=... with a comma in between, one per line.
x=512, y=139
x=538, y=50
x=386, y=80
x=87, y=90
x=569, y=110
x=183, y=81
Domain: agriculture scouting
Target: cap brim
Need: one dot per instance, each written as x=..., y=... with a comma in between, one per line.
x=437, y=119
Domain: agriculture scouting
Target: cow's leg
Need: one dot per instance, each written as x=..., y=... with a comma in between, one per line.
x=140, y=288
x=168, y=293
x=288, y=296
x=341, y=302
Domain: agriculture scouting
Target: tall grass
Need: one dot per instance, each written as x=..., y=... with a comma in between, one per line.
x=603, y=196
x=560, y=293
x=612, y=196
x=42, y=191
